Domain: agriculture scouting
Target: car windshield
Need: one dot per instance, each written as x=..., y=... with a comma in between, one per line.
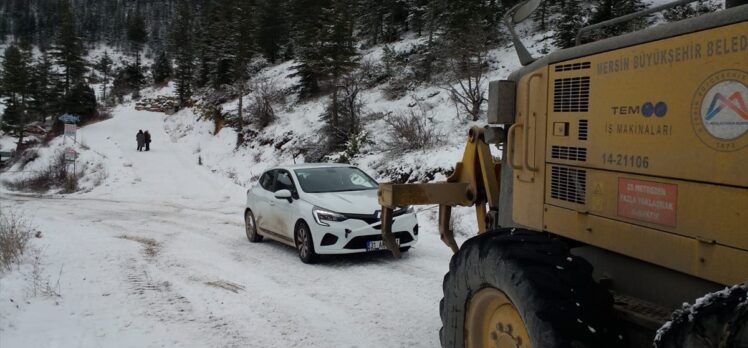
x=335, y=179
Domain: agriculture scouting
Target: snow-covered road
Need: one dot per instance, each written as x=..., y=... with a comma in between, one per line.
x=158, y=257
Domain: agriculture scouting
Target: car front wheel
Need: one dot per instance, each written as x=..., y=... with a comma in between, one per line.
x=304, y=243
x=250, y=227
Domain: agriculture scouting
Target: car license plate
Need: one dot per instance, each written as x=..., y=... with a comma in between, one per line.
x=379, y=245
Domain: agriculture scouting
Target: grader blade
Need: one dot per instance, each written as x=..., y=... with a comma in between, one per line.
x=473, y=183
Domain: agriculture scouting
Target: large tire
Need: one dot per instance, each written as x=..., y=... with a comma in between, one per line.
x=250, y=227
x=718, y=320
x=305, y=244
x=549, y=295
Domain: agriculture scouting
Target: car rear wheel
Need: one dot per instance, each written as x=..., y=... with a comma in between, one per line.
x=304, y=243
x=250, y=227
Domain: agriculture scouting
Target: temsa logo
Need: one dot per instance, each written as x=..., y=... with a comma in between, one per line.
x=647, y=109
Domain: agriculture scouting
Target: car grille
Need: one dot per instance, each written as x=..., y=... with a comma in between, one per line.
x=372, y=218
x=360, y=241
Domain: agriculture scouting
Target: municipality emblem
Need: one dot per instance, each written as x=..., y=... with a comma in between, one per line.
x=719, y=111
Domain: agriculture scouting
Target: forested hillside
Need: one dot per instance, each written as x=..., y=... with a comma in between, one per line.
x=81, y=57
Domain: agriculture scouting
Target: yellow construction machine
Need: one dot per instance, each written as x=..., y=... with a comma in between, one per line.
x=622, y=193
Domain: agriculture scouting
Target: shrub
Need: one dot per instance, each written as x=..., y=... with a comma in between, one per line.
x=411, y=131
x=14, y=237
x=372, y=73
x=265, y=93
x=55, y=175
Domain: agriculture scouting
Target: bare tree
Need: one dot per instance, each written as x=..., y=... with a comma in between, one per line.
x=466, y=83
x=343, y=115
x=265, y=93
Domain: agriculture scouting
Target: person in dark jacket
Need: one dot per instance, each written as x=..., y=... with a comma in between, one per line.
x=140, y=137
x=147, y=138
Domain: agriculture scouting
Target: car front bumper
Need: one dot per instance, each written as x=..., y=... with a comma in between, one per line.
x=353, y=235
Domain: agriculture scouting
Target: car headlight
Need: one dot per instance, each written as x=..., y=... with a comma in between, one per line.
x=322, y=215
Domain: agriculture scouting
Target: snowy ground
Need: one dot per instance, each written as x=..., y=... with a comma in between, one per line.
x=157, y=256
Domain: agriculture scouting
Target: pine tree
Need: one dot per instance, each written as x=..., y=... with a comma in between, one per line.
x=136, y=36
x=690, y=10
x=14, y=88
x=44, y=97
x=382, y=20
x=541, y=15
x=202, y=53
x=104, y=66
x=624, y=7
x=433, y=20
x=182, y=38
x=162, y=69
x=417, y=20
x=68, y=49
x=25, y=27
x=340, y=59
x=136, y=33
x=80, y=101
x=245, y=49
x=272, y=28
x=221, y=46
x=608, y=9
x=4, y=27
x=338, y=49
x=569, y=24
x=308, y=16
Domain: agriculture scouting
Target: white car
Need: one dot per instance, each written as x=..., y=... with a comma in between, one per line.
x=322, y=209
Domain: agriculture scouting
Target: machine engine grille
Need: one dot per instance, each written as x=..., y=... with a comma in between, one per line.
x=573, y=66
x=571, y=94
x=568, y=184
x=569, y=153
x=583, y=128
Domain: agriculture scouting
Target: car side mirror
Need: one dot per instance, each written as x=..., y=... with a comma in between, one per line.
x=283, y=194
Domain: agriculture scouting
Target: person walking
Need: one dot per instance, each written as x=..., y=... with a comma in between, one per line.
x=147, y=138
x=140, y=137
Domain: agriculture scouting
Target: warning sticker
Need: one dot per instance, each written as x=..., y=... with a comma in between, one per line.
x=648, y=201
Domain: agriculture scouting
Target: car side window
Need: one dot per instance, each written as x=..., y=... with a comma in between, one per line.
x=266, y=181
x=284, y=182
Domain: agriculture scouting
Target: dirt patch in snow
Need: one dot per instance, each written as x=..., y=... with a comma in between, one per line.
x=226, y=285
x=150, y=246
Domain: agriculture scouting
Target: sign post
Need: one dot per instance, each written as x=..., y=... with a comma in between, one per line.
x=70, y=158
x=71, y=131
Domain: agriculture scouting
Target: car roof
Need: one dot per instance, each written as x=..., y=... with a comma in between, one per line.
x=312, y=165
